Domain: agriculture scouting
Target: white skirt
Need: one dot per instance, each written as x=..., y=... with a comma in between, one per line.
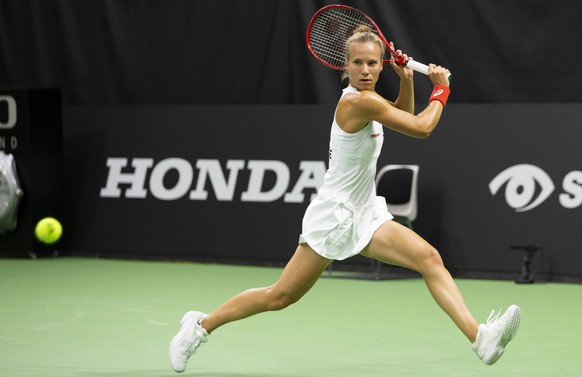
x=338, y=231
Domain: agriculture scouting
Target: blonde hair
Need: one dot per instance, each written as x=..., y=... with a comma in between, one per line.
x=362, y=34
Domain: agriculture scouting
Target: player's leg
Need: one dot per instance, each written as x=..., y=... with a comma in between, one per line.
x=300, y=274
x=396, y=244
x=297, y=278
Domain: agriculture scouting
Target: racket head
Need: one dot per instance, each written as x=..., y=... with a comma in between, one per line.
x=329, y=29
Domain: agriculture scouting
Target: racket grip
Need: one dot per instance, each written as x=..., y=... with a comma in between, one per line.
x=418, y=67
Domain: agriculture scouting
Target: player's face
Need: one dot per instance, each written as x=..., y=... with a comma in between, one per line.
x=364, y=65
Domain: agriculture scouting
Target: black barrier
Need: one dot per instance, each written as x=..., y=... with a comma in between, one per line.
x=231, y=183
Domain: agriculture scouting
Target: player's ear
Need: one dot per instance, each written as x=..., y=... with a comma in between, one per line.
x=345, y=76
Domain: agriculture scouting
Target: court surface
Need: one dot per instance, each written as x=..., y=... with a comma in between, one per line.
x=108, y=318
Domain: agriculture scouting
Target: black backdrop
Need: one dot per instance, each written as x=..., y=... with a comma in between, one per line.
x=253, y=51
x=144, y=80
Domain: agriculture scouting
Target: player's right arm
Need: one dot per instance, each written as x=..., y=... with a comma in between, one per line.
x=357, y=110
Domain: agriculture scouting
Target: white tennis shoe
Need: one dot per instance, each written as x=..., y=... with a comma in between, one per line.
x=188, y=339
x=493, y=336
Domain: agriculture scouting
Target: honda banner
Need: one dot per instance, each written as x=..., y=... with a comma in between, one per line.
x=231, y=183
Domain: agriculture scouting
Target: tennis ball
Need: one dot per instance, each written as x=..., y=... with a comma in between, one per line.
x=48, y=230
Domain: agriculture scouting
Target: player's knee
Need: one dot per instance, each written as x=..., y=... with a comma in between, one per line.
x=430, y=260
x=281, y=300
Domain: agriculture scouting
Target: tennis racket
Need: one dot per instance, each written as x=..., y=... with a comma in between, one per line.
x=331, y=27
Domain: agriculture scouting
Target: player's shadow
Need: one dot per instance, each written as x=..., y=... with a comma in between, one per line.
x=170, y=373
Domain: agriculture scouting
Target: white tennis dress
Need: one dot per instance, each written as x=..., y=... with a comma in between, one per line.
x=346, y=212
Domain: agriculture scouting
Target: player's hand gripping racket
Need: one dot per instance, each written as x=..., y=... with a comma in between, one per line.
x=331, y=27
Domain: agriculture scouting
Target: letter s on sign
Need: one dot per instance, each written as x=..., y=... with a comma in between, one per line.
x=572, y=185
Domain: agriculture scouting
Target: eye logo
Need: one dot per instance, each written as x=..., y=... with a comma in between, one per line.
x=526, y=186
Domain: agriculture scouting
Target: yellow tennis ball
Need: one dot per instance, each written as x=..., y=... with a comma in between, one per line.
x=48, y=230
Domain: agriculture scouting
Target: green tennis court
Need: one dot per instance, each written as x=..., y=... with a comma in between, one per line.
x=96, y=318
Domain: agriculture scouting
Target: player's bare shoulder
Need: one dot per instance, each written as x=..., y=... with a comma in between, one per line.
x=356, y=109
x=364, y=101
x=346, y=105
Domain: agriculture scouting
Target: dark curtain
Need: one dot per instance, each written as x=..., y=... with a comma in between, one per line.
x=123, y=52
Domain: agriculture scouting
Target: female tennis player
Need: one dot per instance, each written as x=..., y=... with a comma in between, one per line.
x=347, y=218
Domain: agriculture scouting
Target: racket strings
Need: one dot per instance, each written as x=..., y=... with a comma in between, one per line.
x=330, y=31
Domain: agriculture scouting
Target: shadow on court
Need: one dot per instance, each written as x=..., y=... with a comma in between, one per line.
x=166, y=373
